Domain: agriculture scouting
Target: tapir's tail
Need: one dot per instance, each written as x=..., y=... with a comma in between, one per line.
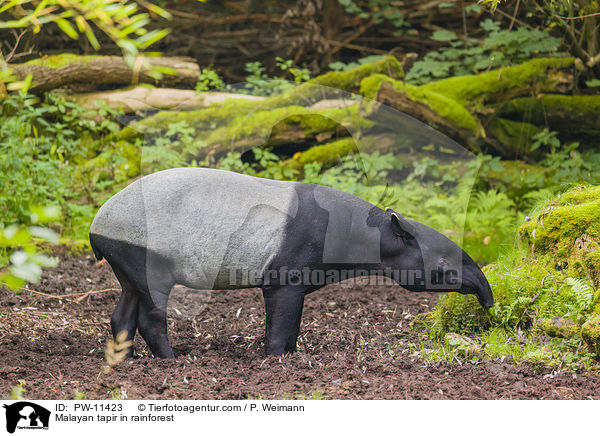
x=95, y=248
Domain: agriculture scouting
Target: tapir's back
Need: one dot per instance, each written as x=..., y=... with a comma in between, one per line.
x=203, y=221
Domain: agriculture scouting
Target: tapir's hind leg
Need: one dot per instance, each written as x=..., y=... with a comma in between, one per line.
x=146, y=280
x=143, y=305
x=126, y=313
x=284, y=313
x=155, y=286
x=152, y=324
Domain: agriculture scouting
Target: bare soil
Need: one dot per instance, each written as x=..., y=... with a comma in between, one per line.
x=353, y=345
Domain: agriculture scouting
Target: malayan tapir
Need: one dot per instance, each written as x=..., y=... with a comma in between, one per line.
x=213, y=229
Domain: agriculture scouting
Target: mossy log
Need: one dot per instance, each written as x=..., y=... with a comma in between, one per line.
x=87, y=72
x=564, y=113
x=350, y=80
x=328, y=85
x=286, y=130
x=464, y=108
x=590, y=332
x=533, y=77
x=332, y=153
x=435, y=110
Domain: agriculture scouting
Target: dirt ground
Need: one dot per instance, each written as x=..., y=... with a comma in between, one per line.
x=353, y=345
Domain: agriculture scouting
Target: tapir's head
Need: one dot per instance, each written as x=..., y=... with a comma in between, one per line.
x=428, y=260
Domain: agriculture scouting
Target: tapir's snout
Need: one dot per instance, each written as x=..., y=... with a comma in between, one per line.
x=485, y=296
x=475, y=282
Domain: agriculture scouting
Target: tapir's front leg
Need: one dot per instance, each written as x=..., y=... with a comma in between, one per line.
x=283, y=306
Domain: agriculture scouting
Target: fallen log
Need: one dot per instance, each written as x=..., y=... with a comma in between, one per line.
x=143, y=98
x=464, y=108
x=561, y=113
x=438, y=111
x=87, y=72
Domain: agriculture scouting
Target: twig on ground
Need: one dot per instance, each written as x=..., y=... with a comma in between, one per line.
x=80, y=295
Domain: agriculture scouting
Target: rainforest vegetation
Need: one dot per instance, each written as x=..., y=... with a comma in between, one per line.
x=480, y=119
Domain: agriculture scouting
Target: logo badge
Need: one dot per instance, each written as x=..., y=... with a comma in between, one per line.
x=26, y=415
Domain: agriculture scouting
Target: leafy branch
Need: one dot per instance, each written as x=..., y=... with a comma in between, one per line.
x=124, y=22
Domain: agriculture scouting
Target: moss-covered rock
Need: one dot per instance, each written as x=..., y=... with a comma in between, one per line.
x=551, y=273
x=559, y=327
x=423, y=321
x=568, y=228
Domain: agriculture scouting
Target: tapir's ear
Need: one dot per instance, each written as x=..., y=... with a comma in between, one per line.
x=401, y=226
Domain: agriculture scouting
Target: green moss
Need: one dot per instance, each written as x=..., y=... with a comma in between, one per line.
x=313, y=90
x=590, y=332
x=257, y=124
x=327, y=154
x=217, y=114
x=567, y=227
x=468, y=89
x=61, y=60
x=562, y=112
x=423, y=321
x=351, y=80
x=557, y=243
x=559, y=327
x=440, y=103
x=310, y=123
x=256, y=127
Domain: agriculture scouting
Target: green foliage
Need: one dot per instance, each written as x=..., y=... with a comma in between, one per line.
x=18, y=248
x=298, y=74
x=577, y=21
x=468, y=55
x=42, y=144
x=209, y=79
x=342, y=66
x=17, y=392
x=490, y=224
x=377, y=10
x=565, y=161
x=582, y=294
x=124, y=22
x=259, y=83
